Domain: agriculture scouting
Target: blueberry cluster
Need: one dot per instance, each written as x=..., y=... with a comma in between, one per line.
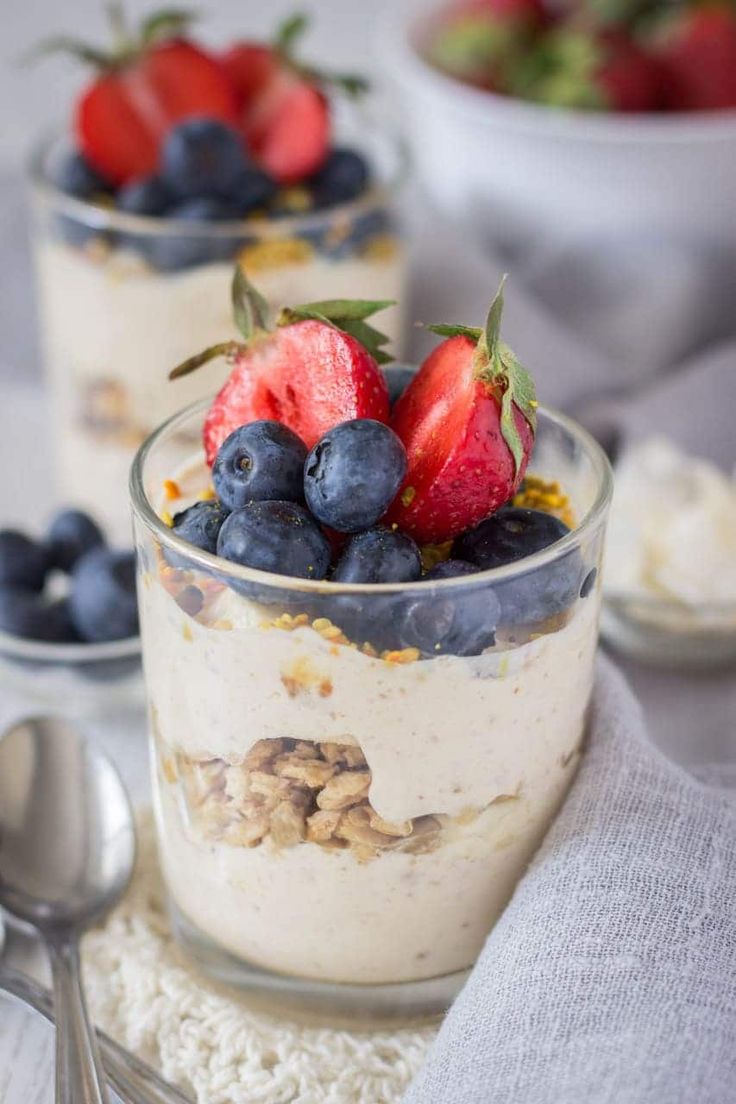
x=317, y=515
x=100, y=603
x=205, y=176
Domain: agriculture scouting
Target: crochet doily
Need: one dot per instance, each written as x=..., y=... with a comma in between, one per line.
x=142, y=994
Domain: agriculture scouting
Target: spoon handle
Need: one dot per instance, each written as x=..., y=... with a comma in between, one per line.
x=134, y=1080
x=79, y=1076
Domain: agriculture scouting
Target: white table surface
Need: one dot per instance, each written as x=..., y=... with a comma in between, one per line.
x=691, y=718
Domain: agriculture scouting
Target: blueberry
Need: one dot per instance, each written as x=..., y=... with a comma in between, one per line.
x=398, y=378
x=23, y=562
x=25, y=614
x=200, y=524
x=202, y=157
x=75, y=176
x=252, y=189
x=261, y=460
x=510, y=535
x=174, y=250
x=70, y=535
x=343, y=176
x=379, y=556
x=353, y=473
x=148, y=196
x=373, y=619
x=102, y=600
x=280, y=537
x=461, y=622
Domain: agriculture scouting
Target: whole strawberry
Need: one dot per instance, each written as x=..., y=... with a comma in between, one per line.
x=467, y=421
x=697, y=52
x=598, y=70
x=315, y=367
x=146, y=83
x=477, y=40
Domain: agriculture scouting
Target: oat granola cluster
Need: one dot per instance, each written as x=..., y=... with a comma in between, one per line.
x=292, y=791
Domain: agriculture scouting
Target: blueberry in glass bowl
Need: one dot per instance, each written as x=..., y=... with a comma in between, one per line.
x=68, y=617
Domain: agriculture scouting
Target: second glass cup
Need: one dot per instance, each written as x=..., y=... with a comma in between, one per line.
x=350, y=780
x=124, y=298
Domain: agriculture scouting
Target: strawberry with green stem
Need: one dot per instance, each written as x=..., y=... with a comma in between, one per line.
x=467, y=421
x=317, y=365
x=283, y=105
x=150, y=80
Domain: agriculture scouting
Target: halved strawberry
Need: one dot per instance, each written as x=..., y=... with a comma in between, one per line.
x=316, y=368
x=467, y=421
x=146, y=84
x=285, y=114
x=698, y=54
x=249, y=66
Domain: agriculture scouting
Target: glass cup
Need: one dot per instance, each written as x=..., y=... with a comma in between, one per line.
x=125, y=298
x=349, y=780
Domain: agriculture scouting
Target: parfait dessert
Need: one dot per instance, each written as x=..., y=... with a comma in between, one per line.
x=181, y=162
x=368, y=636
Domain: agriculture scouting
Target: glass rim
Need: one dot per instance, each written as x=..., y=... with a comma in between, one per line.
x=74, y=654
x=98, y=217
x=144, y=510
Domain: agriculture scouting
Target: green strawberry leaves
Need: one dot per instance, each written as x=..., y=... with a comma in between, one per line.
x=284, y=43
x=253, y=318
x=348, y=315
x=250, y=309
x=497, y=365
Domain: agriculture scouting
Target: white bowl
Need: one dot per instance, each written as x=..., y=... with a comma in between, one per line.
x=525, y=172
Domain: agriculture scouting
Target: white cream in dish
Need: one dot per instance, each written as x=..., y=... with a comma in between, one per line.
x=672, y=529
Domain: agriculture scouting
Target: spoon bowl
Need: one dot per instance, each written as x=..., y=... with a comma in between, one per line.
x=67, y=848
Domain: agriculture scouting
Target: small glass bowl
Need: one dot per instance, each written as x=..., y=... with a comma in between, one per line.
x=75, y=679
x=664, y=633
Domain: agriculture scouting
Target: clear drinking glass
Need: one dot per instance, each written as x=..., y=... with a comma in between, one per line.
x=124, y=298
x=350, y=780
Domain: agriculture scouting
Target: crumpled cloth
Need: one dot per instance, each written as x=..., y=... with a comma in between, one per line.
x=611, y=976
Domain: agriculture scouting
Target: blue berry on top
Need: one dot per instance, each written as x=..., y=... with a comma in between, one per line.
x=280, y=537
x=344, y=176
x=379, y=556
x=202, y=157
x=148, y=196
x=200, y=524
x=102, y=600
x=260, y=460
x=23, y=562
x=510, y=534
x=251, y=190
x=75, y=176
x=353, y=473
x=70, y=535
x=172, y=251
x=27, y=614
x=459, y=622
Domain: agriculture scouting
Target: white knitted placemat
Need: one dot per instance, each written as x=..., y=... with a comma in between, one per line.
x=141, y=993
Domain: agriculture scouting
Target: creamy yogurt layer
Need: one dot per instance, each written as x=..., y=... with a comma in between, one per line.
x=345, y=816
x=112, y=328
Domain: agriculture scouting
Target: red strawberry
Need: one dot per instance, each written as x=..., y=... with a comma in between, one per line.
x=249, y=66
x=287, y=127
x=628, y=78
x=698, y=55
x=144, y=86
x=467, y=421
x=317, y=368
x=284, y=112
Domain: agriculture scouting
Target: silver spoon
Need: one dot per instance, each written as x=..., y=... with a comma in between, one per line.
x=67, y=846
x=133, y=1079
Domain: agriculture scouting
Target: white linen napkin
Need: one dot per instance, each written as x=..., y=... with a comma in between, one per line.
x=611, y=976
